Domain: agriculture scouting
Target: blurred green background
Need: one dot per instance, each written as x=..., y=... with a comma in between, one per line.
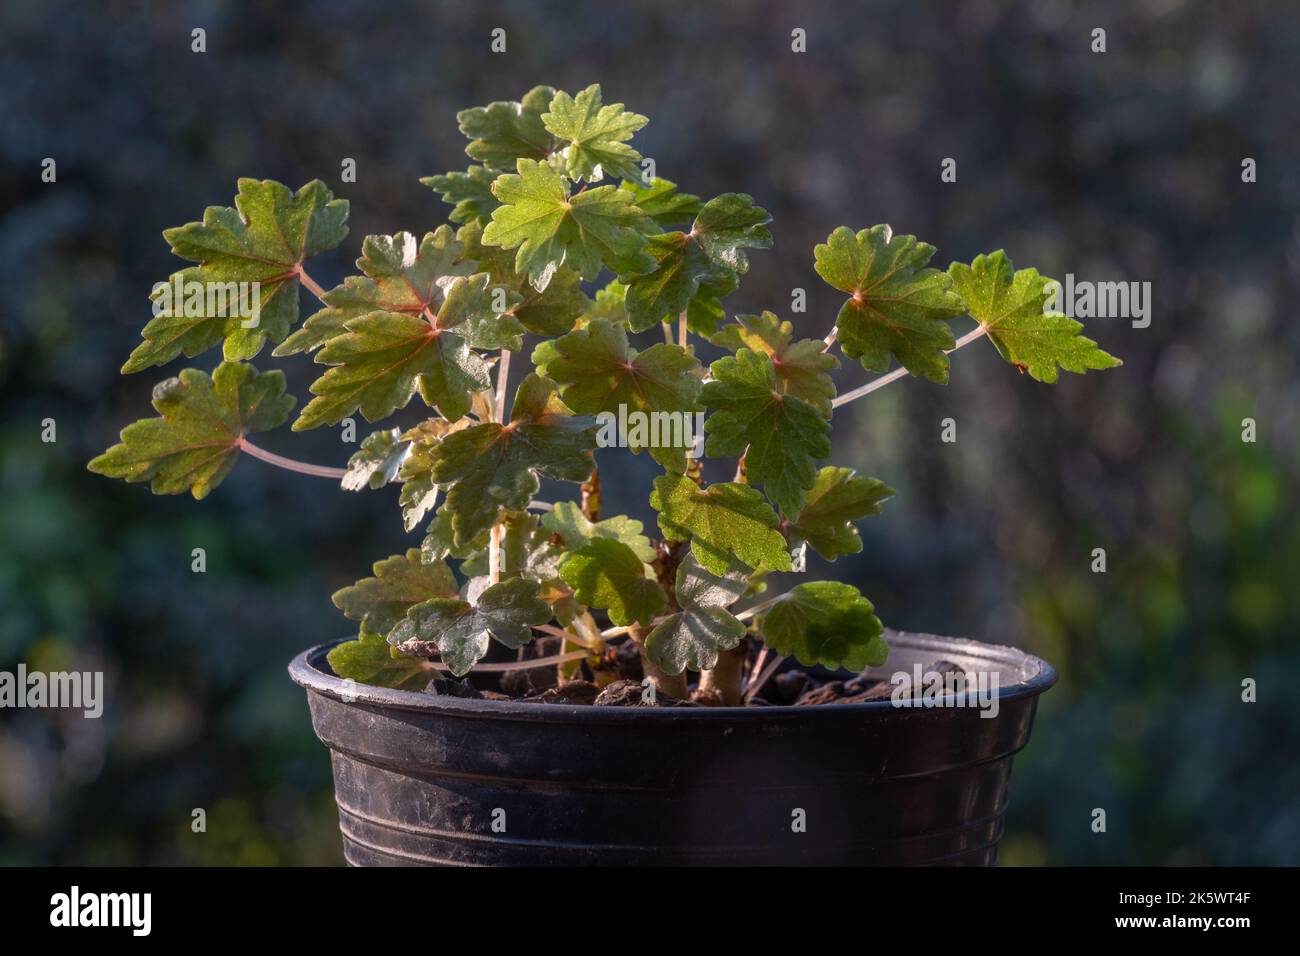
x=1123, y=165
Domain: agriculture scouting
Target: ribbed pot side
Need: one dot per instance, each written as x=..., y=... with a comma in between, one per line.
x=424, y=780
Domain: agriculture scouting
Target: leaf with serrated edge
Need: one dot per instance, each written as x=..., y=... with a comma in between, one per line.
x=684, y=261
x=459, y=631
x=605, y=573
x=802, y=368
x=377, y=461
x=778, y=434
x=551, y=228
x=692, y=637
x=598, y=373
x=372, y=660
x=398, y=275
x=897, y=306
x=827, y=623
x=193, y=446
x=263, y=240
x=837, y=499
x=468, y=193
x=492, y=466
x=505, y=132
x=661, y=201
x=380, y=362
x=399, y=583
x=594, y=137
x=722, y=520
x=567, y=520
x=1012, y=307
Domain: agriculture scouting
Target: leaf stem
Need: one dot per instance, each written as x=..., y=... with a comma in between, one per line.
x=681, y=329
x=312, y=286
x=289, y=464
x=882, y=381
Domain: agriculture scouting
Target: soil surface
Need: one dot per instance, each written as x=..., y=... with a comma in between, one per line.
x=617, y=682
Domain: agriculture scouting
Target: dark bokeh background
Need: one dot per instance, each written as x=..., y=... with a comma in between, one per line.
x=1123, y=165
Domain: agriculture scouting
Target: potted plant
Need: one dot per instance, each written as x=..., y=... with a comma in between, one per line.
x=522, y=685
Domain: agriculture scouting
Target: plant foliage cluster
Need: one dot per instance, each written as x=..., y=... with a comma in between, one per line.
x=559, y=236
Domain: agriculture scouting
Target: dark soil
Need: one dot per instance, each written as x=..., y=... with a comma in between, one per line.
x=617, y=682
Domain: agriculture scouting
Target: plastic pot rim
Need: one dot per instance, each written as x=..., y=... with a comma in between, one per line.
x=306, y=670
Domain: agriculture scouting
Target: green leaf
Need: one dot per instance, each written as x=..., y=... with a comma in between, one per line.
x=383, y=357
x=377, y=461
x=897, y=306
x=692, y=637
x=826, y=623
x=594, y=136
x=440, y=540
x=492, y=466
x=1012, y=307
x=708, y=254
x=263, y=240
x=193, y=446
x=837, y=499
x=459, y=631
x=607, y=574
x=527, y=548
x=662, y=202
x=610, y=304
x=552, y=311
x=723, y=520
x=596, y=227
x=399, y=276
x=778, y=434
x=372, y=660
x=802, y=368
x=469, y=193
x=419, y=492
x=505, y=132
x=567, y=520
x=399, y=583
x=598, y=373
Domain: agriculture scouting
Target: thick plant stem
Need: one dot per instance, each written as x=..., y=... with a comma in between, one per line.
x=673, y=685
x=720, y=686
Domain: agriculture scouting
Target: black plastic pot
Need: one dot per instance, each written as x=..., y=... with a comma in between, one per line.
x=421, y=779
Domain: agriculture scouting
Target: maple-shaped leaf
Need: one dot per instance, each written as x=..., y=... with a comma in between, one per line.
x=802, y=368
x=419, y=492
x=468, y=193
x=705, y=310
x=377, y=461
x=610, y=304
x=827, y=623
x=370, y=659
x=459, y=631
x=383, y=357
x=897, y=306
x=492, y=466
x=551, y=228
x=605, y=573
x=594, y=137
x=505, y=131
x=722, y=520
x=692, y=637
x=399, y=583
x=838, y=497
x=262, y=243
x=778, y=433
x=193, y=446
x=1013, y=308
x=661, y=201
x=683, y=261
x=440, y=540
x=399, y=275
x=552, y=311
x=598, y=372
x=575, y=529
